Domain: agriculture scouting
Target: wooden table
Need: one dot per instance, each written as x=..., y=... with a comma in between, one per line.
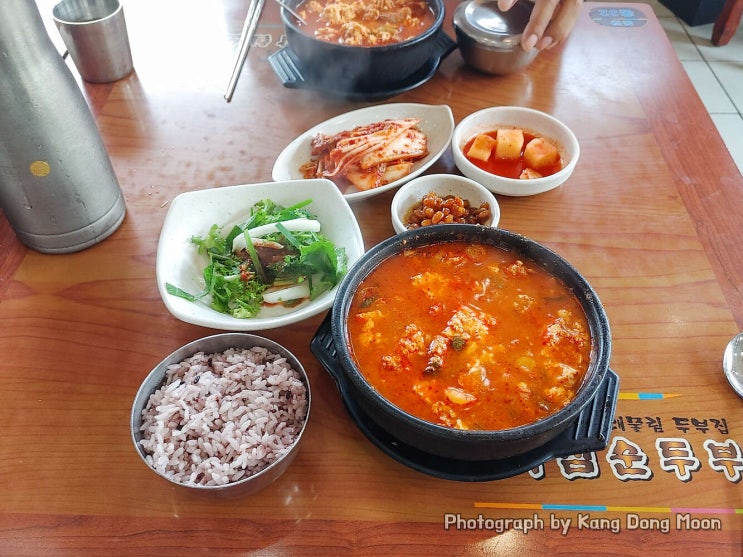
x=651, y=216
x=727, y=23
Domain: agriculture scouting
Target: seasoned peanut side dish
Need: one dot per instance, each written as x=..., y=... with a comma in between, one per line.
x=450, y=209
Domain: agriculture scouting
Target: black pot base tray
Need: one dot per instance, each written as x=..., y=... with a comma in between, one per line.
x=590, y=430
x=293, y=75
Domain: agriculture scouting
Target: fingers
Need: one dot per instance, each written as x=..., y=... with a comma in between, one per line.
x=562, y=23
x=505, y=5
x=550, y=23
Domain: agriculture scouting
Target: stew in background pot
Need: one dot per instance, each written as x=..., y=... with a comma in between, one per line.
x=372, y=23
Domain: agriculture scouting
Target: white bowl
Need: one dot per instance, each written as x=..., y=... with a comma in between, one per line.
x=436, y=121
x=442, y=184
x=194, y=213
x=537, y=122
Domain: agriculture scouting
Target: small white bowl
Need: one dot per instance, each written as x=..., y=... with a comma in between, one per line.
x=411, y=194
x=194, y=213
x=531, y=120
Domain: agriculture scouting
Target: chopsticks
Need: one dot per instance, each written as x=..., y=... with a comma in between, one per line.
x=251, y=22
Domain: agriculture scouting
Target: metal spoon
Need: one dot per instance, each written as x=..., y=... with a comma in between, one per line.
x=732, y=363
x=291, y=11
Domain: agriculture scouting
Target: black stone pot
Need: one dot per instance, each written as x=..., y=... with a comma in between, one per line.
x=355, y=68
x=471, y=445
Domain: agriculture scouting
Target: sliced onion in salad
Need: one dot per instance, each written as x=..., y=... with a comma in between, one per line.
x=294, y=292
x=293, y=225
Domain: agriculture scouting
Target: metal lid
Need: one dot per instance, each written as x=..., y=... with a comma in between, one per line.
x=485, y=23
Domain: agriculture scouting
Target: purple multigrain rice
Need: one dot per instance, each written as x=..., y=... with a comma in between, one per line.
x=221, y=417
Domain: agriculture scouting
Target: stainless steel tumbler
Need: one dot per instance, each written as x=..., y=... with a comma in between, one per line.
x=94, y=32
x=58, y=188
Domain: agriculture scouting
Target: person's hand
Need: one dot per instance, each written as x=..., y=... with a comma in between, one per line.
x=551, y=22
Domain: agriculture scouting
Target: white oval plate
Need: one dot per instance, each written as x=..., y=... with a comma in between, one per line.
x=436, y=121
x=193, y=214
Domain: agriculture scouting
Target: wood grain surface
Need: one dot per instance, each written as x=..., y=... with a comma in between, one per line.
x=651, y=217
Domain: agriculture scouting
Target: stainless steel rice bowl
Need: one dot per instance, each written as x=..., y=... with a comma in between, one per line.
x=253, y=440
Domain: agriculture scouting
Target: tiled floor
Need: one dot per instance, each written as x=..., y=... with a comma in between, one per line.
x=715, y=71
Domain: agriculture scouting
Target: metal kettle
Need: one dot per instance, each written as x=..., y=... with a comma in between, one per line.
x=58, y=188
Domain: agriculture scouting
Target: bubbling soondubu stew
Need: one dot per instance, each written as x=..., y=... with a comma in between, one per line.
x=365, y=23
x=469, y=336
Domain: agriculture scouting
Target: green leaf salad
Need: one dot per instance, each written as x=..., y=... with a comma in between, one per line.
x=277, y=256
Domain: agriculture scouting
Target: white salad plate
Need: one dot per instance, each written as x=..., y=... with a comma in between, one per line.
x=436, y=121
x=194, y=213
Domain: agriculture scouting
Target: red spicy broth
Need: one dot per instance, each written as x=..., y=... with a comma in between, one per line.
x=365, y=24
x=469, y=336
x=509, y=168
